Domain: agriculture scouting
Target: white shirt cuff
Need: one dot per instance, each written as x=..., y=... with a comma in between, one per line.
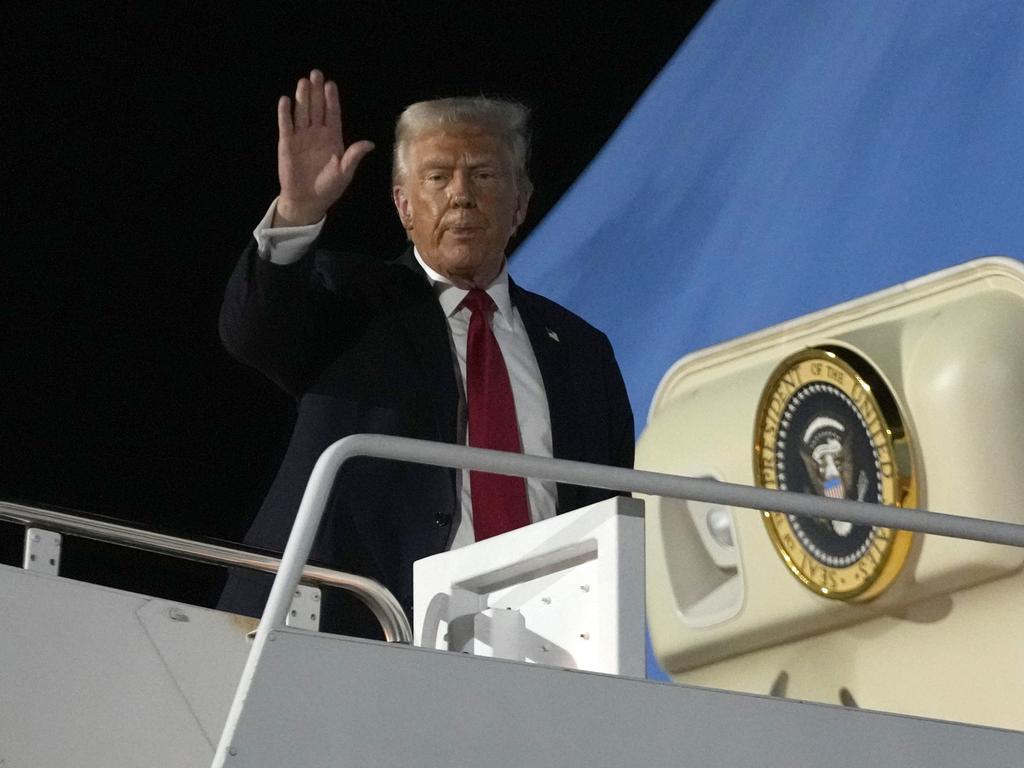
x=284, y=245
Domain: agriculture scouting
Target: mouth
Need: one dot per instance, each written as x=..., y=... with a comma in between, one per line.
x=463, y=231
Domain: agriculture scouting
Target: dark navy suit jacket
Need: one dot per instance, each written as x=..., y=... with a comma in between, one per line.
x=363, y=346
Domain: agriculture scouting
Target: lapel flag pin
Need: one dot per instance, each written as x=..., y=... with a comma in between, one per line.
x=552, y=334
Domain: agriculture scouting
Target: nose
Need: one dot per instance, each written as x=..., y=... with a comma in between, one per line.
x=461, y=190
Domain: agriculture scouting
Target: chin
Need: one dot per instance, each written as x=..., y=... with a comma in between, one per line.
x=462, y=261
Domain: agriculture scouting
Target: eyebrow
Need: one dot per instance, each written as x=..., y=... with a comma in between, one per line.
x=472, y=162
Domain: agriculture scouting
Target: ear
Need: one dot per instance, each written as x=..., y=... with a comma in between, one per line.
x=522, y=203
x=402, y=206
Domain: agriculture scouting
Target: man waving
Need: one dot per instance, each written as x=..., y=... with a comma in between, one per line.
x=438, y=344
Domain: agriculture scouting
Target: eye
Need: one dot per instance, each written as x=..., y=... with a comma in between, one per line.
x=436, y=177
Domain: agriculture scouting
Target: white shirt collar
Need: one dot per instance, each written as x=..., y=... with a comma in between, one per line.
x=451, y=296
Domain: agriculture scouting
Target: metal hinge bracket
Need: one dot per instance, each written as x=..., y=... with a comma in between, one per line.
x=42, y=551
x=304, y=612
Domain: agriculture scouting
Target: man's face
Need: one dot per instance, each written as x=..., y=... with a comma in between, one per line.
x=460, y=203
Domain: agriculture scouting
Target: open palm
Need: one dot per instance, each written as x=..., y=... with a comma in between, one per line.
x=313, y=164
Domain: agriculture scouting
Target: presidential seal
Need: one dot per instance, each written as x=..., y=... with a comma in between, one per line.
x=828, y=425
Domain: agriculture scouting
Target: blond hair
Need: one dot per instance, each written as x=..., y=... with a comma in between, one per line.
x=506, y=120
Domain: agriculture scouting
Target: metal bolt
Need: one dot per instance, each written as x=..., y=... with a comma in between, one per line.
x=546, y=600
x=232, y=751
x=177, y=614
x=585, y=635
x=316, y=596
x=545, y=648
x=36, y=538
x=272, y=636
x=585, y=587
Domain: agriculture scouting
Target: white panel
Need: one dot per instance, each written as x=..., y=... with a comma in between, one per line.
x=322, y=700
x=84, y=685
x=567, y=592
x=204, y=652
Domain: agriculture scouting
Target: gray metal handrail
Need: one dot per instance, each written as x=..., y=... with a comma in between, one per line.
x=375, y=595
x=321, y=481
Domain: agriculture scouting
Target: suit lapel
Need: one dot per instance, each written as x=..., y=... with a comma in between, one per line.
x=551, y=359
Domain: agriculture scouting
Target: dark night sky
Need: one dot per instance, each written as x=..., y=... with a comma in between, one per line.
x=149, y=156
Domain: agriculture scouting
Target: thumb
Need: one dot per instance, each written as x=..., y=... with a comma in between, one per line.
x=354, y=155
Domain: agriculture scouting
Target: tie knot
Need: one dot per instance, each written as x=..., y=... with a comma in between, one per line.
x=478, y=300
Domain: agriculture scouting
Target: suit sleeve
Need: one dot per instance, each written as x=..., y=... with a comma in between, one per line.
x=282, y=319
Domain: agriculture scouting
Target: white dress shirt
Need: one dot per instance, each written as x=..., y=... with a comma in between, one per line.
x=285, y=245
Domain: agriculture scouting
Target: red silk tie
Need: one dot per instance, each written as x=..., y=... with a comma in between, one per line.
x=499, y=501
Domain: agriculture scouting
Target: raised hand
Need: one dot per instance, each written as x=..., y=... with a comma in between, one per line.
x=313, y=164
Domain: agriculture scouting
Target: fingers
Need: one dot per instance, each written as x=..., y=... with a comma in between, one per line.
x=316, y=97
x=284, y=117
x=332, y=106
x=316, y=103
x=302, y=104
